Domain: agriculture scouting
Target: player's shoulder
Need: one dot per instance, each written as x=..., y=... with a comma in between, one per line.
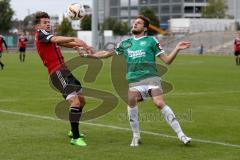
x=152, y=38
x=127, y=39
x=44, y=32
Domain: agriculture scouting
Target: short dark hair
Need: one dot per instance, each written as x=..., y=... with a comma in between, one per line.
x=38, y=15
x=145, y=19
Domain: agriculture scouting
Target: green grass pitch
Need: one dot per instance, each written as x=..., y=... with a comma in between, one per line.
x=205, y=99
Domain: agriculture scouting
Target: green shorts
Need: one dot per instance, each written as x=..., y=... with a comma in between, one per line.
x=0, y=54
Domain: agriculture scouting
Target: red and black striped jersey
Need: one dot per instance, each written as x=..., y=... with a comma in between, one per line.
x=22, y=42
x=237, y=44
x=49, y=52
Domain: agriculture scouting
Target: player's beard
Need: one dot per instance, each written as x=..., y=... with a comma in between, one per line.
x=135, y=32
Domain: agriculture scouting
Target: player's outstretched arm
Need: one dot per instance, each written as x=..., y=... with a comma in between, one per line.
x=168, y=59
x=61, y=39
x=71, y=42
x=5, y=45
x=76, y=43
x=99, y=54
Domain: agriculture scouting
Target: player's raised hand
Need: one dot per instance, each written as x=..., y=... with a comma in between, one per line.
x=183, y=45
x=83, y=44
x=90, y=50
x=81, y=51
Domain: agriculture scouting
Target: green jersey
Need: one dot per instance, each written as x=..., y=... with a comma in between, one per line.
x=140, y=55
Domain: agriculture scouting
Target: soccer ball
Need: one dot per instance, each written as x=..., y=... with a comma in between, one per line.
x=76, y=11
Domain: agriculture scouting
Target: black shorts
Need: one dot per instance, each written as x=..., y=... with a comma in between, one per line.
x=237, y=53
x=22, y=49
x=65, y=82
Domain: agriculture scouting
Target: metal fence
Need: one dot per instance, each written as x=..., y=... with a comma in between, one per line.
x=12, y=41
x=211, y=42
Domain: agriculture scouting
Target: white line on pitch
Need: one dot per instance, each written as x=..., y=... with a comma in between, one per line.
x=202, y=93
x=119, y=128
x=10, y=99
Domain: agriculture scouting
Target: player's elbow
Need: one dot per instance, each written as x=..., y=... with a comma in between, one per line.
x=54, y=39
x=167, y=61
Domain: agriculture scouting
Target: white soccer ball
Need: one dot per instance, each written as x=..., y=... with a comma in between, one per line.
x=76, y=11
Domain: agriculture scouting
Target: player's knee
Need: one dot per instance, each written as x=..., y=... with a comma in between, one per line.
x=132, y=101
x=75, y=102
x=82, y=103
x=159, y=104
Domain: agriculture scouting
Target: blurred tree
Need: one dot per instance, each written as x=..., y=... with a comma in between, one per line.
x=149, y=13
x=65, y=28
x=6, y=15
x=118, y=27
x=109, y=23
x=18, y=24
x=28, y=23
x=215, y=9
x=86, y=23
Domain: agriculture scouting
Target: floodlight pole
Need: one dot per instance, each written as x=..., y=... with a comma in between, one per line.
x=236, y=16
x=95, y=24
x=129, y=12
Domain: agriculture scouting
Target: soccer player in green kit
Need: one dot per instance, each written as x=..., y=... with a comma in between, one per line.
x=140, y=53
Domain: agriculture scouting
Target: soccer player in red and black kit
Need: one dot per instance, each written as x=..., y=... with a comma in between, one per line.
x=1, y=49
x=22, y=41
x=237, y=49
x=61, y=77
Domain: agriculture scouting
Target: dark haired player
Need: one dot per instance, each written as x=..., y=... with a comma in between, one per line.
x=140, y=53
x=22, y=42
x=2, y=41
x=61, y=77
x=237, y=49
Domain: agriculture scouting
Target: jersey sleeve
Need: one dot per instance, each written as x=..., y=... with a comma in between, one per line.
x=5, y=43
x=119, y=49
x=44, y=36
x=157, y=48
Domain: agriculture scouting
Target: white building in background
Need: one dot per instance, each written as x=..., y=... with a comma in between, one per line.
x=54, y=22
x=234, y=9
x=193, y=25
x=193, y=8
x=164, y=9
